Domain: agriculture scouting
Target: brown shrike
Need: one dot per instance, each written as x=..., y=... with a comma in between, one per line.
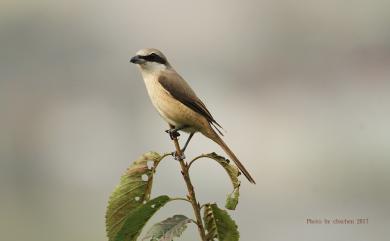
x=177, y=103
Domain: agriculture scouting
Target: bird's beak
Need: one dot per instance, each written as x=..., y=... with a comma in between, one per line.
x=137, y=60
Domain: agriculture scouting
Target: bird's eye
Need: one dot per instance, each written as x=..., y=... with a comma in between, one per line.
x=155, y=58
x=152, y=57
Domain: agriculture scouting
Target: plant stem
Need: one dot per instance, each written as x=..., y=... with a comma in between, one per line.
x=196, y=158
x=191, y=192
x=181, y=199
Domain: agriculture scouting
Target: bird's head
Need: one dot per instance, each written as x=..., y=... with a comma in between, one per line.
x=150, y=60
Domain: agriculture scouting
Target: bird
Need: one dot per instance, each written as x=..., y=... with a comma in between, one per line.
x=177, y=103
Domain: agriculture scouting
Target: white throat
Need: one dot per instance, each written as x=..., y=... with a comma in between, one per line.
x=152, y=67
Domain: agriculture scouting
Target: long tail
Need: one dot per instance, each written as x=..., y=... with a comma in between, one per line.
x=217, y=139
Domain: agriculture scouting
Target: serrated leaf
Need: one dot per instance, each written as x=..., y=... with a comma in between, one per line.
x=168, y=229
x=233, y=172
x=138, y=217
x=131, y=192
x=219, y=224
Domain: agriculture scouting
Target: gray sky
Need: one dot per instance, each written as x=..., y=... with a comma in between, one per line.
x=302, y=88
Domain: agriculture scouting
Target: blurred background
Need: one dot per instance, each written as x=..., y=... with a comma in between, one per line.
x=302, y=88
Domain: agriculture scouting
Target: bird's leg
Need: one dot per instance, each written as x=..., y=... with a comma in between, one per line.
x=174, y=154
x=177, y=157
x=188, y=141
x=174, y=132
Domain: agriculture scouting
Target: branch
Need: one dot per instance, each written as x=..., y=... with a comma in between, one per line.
x=190, y=188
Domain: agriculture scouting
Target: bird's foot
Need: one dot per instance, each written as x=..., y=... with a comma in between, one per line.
x=178, y=157
x=173, y=133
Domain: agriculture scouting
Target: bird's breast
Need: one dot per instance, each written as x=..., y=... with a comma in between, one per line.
x=170, y=109
x=162, y=100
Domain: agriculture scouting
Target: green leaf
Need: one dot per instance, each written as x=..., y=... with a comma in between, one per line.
x=232, y=199
x=137, y=219
x=131, y=192
x=168, y=229
x=219, y=224
x=233, y=172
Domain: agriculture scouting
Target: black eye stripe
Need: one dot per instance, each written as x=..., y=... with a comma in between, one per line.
x=154, y=58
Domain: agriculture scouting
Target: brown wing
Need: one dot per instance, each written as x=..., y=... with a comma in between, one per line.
x=179, y=89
